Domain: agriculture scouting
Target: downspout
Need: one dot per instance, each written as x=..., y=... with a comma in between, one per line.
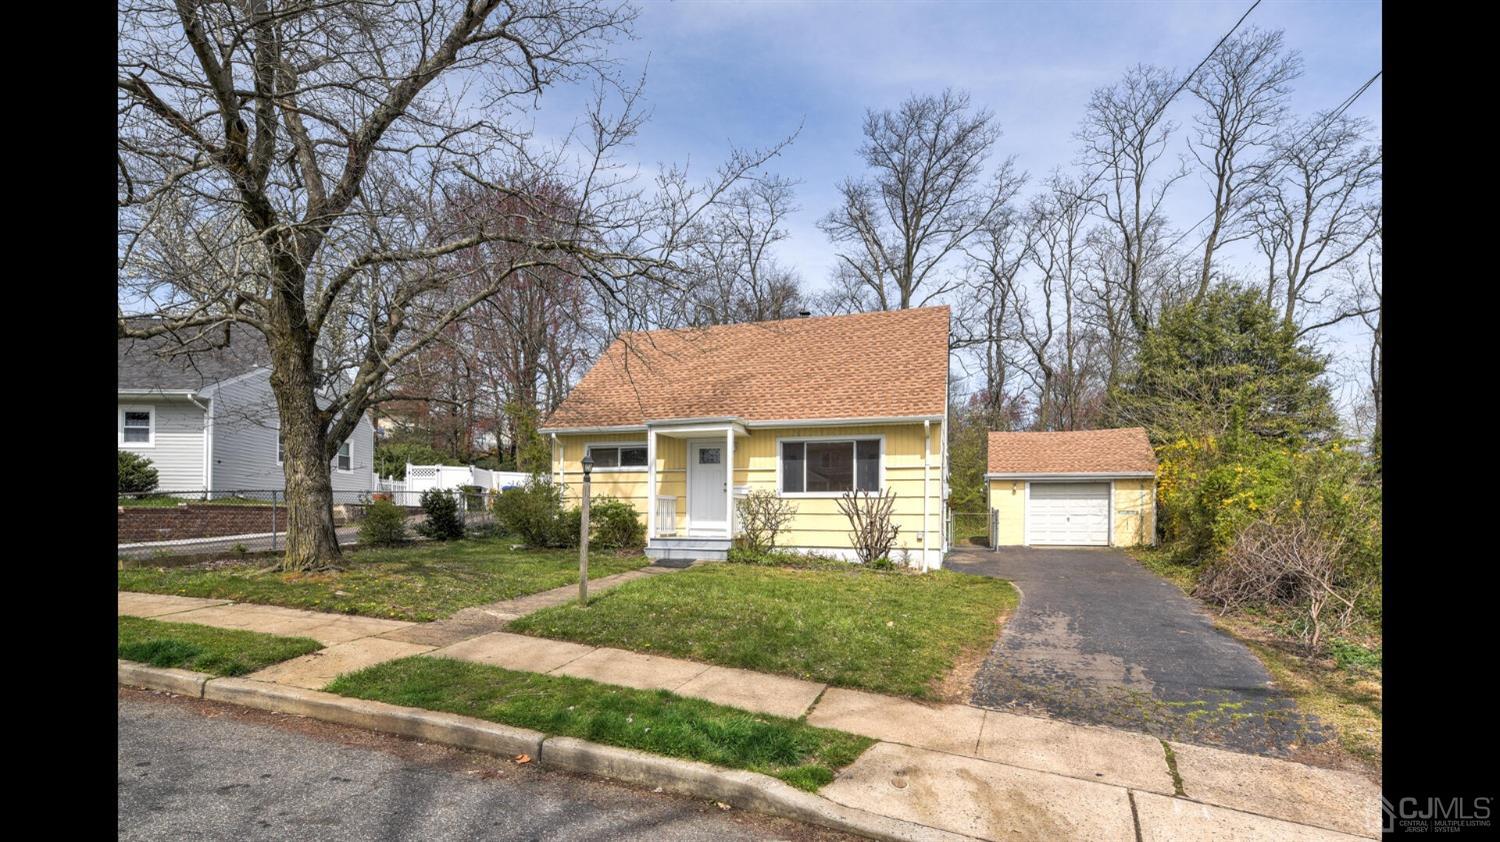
x=208, y=443
x=926, y=491
x=554, y=456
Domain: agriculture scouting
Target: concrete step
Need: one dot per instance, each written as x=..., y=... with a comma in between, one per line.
x=687, y=548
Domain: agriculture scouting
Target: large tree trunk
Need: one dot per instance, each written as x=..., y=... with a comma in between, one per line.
x=311, y=541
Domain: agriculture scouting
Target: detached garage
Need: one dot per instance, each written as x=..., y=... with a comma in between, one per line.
x=1090, y=488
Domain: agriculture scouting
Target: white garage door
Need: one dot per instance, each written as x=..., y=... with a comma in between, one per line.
x=1071, y=513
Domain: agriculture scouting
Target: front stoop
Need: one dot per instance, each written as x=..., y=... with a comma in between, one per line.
x=687, y=548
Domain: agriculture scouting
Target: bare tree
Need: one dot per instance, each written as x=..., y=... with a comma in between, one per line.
x=1048, y=324
x=1125, y=133
x=1243, y=88
x=926, y=197
x=281, y=166
x=1368, y=300
x=738, y=276
x=987, y=314
x=1321, y=209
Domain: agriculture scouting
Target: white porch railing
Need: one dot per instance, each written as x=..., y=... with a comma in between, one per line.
x=666, y=515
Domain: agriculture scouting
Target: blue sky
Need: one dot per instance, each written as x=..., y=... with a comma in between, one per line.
x=724, y=73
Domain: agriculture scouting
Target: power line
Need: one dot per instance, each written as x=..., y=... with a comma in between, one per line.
x=1155, y=115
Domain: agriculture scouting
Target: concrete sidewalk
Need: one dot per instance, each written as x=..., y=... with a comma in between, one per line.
x=961, y=769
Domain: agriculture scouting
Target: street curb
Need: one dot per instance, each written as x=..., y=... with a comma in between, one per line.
x=745, y=790
x=181, y=682
x=432, y=726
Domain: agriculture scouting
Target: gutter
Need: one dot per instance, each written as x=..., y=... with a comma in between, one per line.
x=1081, y=475
x=790, y=422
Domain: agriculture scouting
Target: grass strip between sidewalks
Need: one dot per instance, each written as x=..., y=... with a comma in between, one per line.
x=654, y=721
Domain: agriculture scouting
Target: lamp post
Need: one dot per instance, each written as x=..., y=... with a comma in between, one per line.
x=583, y=535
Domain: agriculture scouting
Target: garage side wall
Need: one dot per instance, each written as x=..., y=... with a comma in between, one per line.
x=1135, y=512
x=1008, y=500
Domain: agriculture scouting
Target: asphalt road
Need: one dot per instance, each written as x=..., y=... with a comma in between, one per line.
x=194, y=769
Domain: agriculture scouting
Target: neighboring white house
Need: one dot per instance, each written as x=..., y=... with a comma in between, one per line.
x=207, y=420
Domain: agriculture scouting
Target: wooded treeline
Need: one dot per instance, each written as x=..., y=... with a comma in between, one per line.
x=1055, y=280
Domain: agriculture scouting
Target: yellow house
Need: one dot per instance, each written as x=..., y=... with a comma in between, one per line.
x=680, y=423
x=1086, y=488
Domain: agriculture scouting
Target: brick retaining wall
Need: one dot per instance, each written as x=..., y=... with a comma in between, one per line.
x=193, y=520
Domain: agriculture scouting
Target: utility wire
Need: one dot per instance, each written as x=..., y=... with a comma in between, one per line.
x=1323, y=124
x=1155, y=115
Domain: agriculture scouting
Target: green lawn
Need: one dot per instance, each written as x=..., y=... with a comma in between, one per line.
x=205, y=648
x=887, y=632
x=415, y=582
x=649, y=720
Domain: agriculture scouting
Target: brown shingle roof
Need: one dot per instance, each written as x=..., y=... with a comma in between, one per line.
x=1125, y=450
x=869, y=365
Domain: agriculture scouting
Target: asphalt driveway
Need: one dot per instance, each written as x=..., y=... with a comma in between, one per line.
x=1099, y=639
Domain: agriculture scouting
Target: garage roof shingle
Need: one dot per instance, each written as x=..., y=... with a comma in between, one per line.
x=868, y=365
x=1123, y=450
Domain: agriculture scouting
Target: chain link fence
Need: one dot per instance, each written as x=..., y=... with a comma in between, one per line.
x=162, y=525
x=969, y=529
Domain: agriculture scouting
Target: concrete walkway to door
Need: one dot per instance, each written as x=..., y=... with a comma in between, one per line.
x=1099, y=639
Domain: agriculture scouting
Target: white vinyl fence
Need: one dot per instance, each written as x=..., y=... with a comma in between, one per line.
x=420, y=478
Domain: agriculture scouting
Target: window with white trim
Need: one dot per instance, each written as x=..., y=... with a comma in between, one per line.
x=344, y=461
x=137, y=426
x=830, y=467
x=618, y=456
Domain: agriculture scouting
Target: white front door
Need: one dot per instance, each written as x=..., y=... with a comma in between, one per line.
x=1068, y=513
x=708, y=507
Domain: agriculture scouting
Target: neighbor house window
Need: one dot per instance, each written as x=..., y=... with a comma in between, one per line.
x=830, y=467
x=137, y=426
x=344, y=461
x=618, y=456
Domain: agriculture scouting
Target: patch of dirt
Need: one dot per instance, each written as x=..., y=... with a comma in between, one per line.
x=958, y=685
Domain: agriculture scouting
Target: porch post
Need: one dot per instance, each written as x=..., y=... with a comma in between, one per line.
x=650, y=483
x=729, y=476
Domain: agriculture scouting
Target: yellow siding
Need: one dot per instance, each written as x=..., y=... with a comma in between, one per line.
x=1135, y=512
x=819, y=523
x=1134, y=505
x=1008, y=497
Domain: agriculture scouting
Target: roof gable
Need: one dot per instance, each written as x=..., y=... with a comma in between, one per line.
x=868, y=365
x=1122, y=450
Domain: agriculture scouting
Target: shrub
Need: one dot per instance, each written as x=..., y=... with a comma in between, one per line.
x=384, y=524
x=134, y=474
x=569, y=525
x=533, y=512
x=613, y=524
x=444, y=521
x=1291, y=561
x=763, y=515
x=872, y=530
x=785, y=558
